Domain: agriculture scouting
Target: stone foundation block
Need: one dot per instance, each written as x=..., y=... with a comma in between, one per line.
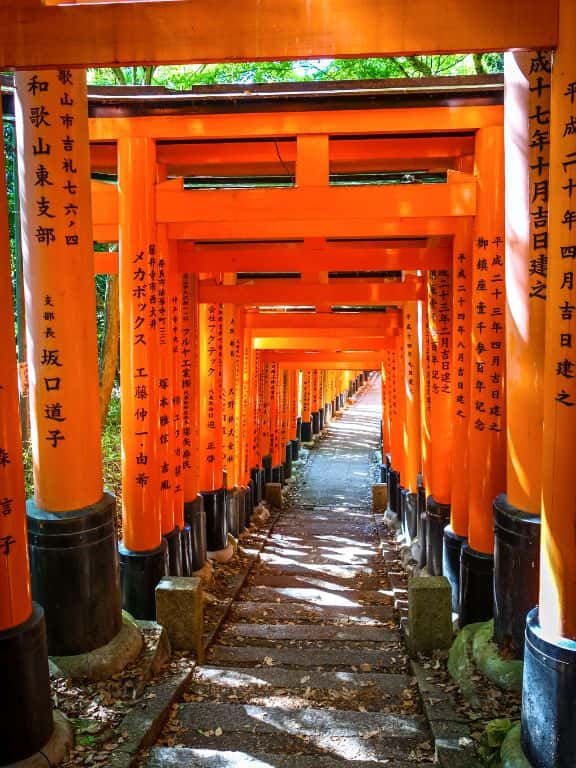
x=179, y=608
x=379, y=497
x=429, y=613
x=273, y=494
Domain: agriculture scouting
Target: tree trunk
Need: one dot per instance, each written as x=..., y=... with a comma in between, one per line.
x=110, y=345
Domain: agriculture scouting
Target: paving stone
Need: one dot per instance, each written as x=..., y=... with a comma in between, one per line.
x=315, y=596
x=312, y=632
x=313, y=581
x=356, y=614
x=295, y=678
x=305, y=722
x=170, y=757
x=302, y=657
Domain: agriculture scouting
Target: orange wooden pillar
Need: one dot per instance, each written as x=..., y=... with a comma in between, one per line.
x=385, y=409
x=306, y=425
x=255, y=401
x=189, y=377
x=275, y=417
x=456, y=534
x=315, y=386
x=210, y=433
x=517, y=513
x=231, y=389
x=411, y=428
x=549, y=688
x=162, y=264
x=143, y=552
x=395, y=372
x=26, y=724
x=487, y=438
x=285, y=422
x=263, y=417
x=54, y=173
x=439, y=459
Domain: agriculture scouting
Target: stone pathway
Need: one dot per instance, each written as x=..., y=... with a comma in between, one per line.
x=309, y=670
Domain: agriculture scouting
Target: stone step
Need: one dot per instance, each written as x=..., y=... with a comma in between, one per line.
x=276, y=677
x=346, y=615
x=311, y=632
x=331, y=724
x=319, y=559
x=353, y=659
x=182, y=757
x=314, y=581
x=343, y=597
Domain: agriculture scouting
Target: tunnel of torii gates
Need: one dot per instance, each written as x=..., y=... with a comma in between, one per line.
x=249, y=315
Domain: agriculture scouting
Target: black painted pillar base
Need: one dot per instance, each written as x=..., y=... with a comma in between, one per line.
x=140, y=573
x=476, y=586
x=516, y=573
x=256, y=485
x=295, y=444
x=299, y=428
x=437, y=518
x=249, y=503
x=288, y=460
x=336, y=404
x=267, y=467
x=393, y=485
x=321, y=418
x=451, y=563
x=26, y=724
x=384, y=473
x=216, y=521
x=186, y=549
x=306, y=432
x=196, y=518
x=422, y=522
x=409, y=515
x=278, y=474
x=233, y=513
x=75, y=575
x=315, y=416
x=548, y=696
x=174, y=552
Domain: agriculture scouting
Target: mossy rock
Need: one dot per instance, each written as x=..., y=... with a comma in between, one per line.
x=461, y=664
x=511, y=754
x=505, y=673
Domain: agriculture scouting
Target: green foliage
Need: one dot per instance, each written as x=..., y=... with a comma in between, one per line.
x=492, y=740
x=188, y=76
x=111, y=448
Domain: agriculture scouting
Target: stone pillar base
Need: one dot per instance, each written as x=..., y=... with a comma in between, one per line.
x=205, y=574
x=548, y=696
x=139, y=574
x=56, y=749
x=26, y=724
x=75, y=575
x=223, y=555
x=476, y=586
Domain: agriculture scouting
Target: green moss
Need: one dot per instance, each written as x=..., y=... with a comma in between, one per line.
x=461, y=665
x=505, y=673
x=511, y=754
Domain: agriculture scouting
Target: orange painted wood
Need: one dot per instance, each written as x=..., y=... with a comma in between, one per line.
x=35, y=35
x=349, y=122
x=189, y=381
x=15, y=590
x=210, y=396
x=283, y=324
x=59, y=288
x=557, y=609
x=411, y=385
x=286, y=292
x=324, y=342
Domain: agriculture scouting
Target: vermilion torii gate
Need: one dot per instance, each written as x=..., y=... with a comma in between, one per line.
x=488, y=268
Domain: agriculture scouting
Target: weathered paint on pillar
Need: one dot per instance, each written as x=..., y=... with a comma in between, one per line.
x=411, y=384
x=15, y=591
x=54, y=179
x=439, y=466
x=527, y=79
x=461, y=341
x=210, y=396
x=138, y=370
x=487, y=415
x=557, y=608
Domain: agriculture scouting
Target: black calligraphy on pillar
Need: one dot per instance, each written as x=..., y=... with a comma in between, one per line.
x=461, y=336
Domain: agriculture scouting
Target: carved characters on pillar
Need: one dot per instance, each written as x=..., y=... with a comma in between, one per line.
x=186, y=364
x=461, y=341
x=488, y=340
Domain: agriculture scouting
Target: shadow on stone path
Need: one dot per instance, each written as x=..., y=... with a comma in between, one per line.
x=310, y=670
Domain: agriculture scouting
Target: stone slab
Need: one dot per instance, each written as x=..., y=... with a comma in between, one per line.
x=303, y=657
x=170, y=757
x=303, y=722
x=312, y=632
x=314, y=581
x=356, y=614
x=180, y=609
x=297, y=678
x=344, y=597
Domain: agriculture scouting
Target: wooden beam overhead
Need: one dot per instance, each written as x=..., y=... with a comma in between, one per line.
x=297, y=293
x=279, y=324
x=325, y=342
x=347, y=122
x=33, y=35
